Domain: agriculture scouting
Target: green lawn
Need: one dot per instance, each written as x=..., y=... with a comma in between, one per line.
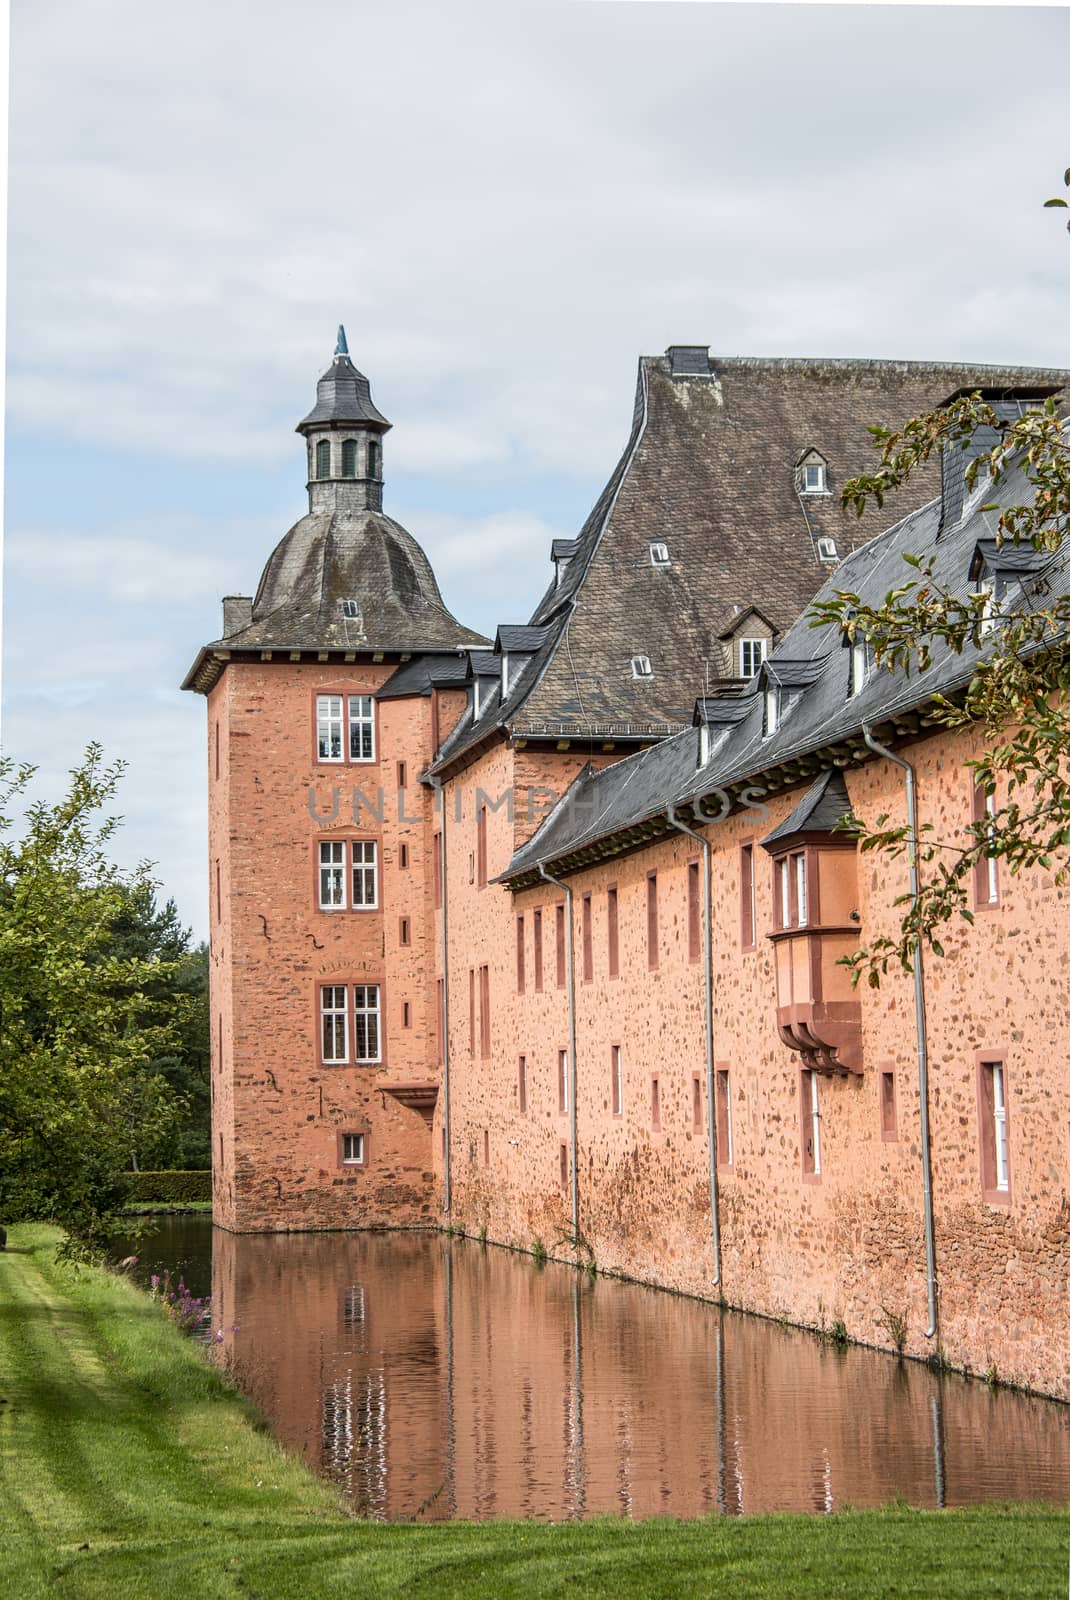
x=129, y=1468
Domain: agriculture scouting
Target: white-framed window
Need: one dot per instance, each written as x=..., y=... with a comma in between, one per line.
x=334, y=1023
x=659, y=554
x=771, y=713
x=991, y=862
x=366, y=1022
x=751, y=655
x=361, y=727
x=861, y=664
x=350, y=608
x=332, y=875
x=826, y=550
x=352, y=1149
x=641, y=667
x=784, y=891
x=799, y=864
x=999, y=1126
x=812, y=478
x=365, y=859
x=329, y=745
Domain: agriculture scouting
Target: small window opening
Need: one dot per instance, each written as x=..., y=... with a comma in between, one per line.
x=352, y=1149
x=655, y=1105
x=813, y=478
x=751, y=655
x=323, y=459
x=351, y=610
x=349, y=458
x=641, y=667
x=772, y=712
x=659, y=555
x=373, y=459
x=826, y=550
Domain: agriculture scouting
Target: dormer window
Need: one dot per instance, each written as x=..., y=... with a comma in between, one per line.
x=475, y=700
x=505, y=673
x=771, y=711
x=826, y=550
x=349, y=458
x=659, y=555
x=812, y=477
x=861, y=665
x=351, y=610
x=323, y=459
x=992, y=587
x=641, y=667
x=704, y=744
x=751, y=655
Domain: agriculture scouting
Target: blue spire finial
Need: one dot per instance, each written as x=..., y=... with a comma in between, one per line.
x=341, y=348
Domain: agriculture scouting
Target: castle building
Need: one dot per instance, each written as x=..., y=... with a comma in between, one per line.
x=539, y=935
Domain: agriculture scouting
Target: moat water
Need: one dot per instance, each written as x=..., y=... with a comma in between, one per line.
x=431, y=1379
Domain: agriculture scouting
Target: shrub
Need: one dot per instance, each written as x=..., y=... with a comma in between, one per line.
x=168, y=1188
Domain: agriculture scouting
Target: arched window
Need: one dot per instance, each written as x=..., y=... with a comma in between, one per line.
x=373, y=459
x=349, y=458
x=323, y=459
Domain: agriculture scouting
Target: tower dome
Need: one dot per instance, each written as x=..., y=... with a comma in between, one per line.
x=346, y=577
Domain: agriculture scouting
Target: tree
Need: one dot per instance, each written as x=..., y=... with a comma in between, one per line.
x=1017, y=694
x=82, y=1010
x=141, y=929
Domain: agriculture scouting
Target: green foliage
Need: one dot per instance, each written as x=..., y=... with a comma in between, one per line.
x=1017, y=695
x=538, y=1250
x=896, y=1326
x=83, y=1011
x=169, y=1188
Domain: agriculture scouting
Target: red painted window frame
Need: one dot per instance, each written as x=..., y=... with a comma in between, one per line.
x=612, y=931
x=986, y=1146
x=748, y=901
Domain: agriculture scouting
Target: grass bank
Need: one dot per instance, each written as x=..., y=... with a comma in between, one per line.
x=129, y=1468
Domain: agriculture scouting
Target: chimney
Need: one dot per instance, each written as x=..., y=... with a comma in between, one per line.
x=689, y=360
x=237, y=613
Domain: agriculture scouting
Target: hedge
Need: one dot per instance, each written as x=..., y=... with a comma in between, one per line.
x=169, y=1188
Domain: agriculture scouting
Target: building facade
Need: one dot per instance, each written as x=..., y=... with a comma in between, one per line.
x=466, y=966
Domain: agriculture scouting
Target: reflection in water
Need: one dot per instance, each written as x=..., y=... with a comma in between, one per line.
x=432, y=1379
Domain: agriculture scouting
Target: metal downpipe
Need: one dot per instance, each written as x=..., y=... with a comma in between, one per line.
x=921, y=1029
x=448, y=1194
x=570, y=980
x=711, y=1111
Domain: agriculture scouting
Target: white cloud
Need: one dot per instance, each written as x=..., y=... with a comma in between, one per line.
x=506, y=205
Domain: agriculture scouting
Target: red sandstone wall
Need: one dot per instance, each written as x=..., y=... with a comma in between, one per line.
x=848, y=1246
x=278, y=1112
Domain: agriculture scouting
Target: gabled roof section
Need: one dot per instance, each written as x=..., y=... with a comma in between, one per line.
x=521, y=638
x=710, y=469
x=720, y=711
x=740, y=618
x=622, y=806
x=822, y=808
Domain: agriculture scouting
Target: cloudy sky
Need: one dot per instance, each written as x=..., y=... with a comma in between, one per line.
x=506, y=205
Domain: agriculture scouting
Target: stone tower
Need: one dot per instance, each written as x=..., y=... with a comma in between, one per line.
x=323, y=698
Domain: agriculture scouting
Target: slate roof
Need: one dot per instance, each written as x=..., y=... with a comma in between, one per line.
x=343, y=394
x=710, y=470
x=821, y=809
x=424, y=673
x=610, y=810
